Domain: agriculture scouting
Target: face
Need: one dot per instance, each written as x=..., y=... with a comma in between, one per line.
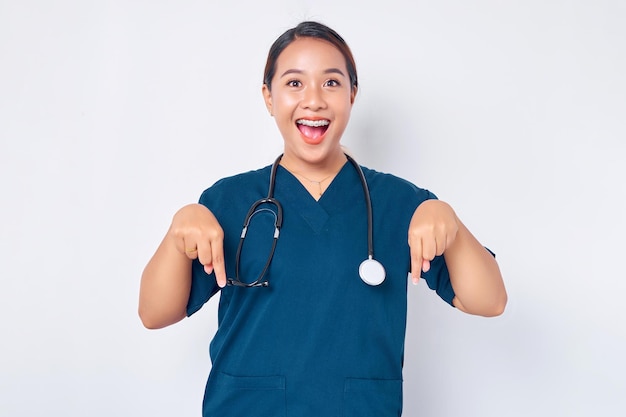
x=311, y=100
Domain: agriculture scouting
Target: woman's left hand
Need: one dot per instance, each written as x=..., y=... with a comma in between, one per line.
x=432, y=230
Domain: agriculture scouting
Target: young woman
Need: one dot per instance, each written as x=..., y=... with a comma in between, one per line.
x=306, y=328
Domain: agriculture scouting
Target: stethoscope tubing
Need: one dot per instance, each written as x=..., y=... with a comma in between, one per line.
x=366, y=193
x=278, y=220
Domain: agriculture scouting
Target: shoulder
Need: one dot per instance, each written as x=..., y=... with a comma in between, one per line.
x=391, y=185
x=238, y=184
x=242, y=178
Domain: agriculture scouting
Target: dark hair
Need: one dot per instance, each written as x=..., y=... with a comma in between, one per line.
x=309, y=29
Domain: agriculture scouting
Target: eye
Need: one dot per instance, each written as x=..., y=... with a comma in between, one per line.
x=294, y=83
x=332, y=83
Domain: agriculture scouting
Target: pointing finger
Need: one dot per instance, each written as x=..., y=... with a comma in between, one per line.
x=416, y=260
x=217, y=250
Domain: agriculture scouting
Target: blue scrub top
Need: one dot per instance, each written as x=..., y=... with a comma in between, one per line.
x=318, y=341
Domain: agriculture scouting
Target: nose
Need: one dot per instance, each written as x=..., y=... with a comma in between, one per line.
x=313, y=98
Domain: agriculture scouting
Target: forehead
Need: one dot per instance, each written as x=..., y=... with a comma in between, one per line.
x=310, y=54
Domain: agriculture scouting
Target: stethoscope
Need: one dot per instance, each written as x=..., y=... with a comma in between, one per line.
x=371, y=271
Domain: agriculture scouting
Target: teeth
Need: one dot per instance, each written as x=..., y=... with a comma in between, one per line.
x=313, y=123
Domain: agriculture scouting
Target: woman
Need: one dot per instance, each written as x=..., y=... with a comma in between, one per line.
x=310, y=338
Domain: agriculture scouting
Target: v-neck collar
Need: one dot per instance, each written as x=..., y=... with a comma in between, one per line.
x=343, y=190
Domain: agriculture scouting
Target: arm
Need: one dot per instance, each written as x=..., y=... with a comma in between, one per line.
x=166, y=279
x=474, y=273
x=475, y=276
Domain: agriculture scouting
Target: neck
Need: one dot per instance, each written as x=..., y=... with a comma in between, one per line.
x=314, y=171
x=315, y=177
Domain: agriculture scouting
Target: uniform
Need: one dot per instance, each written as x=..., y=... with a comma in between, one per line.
x=317, y=341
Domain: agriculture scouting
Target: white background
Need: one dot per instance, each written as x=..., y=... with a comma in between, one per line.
x=113, y=114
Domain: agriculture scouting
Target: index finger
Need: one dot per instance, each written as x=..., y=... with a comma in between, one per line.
x=416, y=260
x=217, y=259
x=211, y=256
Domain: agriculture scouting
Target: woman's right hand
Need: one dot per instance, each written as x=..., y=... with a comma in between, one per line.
x=197, y=234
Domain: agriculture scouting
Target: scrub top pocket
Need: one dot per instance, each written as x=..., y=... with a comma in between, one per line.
x=245, y=396
x=372, y=397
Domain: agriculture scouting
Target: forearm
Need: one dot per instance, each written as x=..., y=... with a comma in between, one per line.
x=165, y=286
x=475, y=276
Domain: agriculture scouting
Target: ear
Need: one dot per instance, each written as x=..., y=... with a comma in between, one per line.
x=353, y=92
x=267, y=96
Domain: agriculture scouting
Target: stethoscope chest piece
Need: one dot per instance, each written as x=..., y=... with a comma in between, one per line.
x=372, y=272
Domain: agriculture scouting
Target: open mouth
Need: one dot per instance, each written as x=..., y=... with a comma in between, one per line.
x=312, y=129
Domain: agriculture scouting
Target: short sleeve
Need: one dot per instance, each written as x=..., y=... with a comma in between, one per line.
x=438, y=279
x=203, y=287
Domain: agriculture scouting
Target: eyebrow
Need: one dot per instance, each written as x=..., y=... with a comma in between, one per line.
x=328, y=71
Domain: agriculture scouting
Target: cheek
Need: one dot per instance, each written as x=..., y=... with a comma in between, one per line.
x=343, y=108
x=284, y=106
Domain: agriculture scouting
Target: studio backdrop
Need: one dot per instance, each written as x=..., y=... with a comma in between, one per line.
x=114, y=114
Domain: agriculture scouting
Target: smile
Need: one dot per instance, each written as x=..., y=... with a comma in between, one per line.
x=313, y=123
x=313, y=131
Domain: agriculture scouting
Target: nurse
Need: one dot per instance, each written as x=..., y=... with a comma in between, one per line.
x=312, y=338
